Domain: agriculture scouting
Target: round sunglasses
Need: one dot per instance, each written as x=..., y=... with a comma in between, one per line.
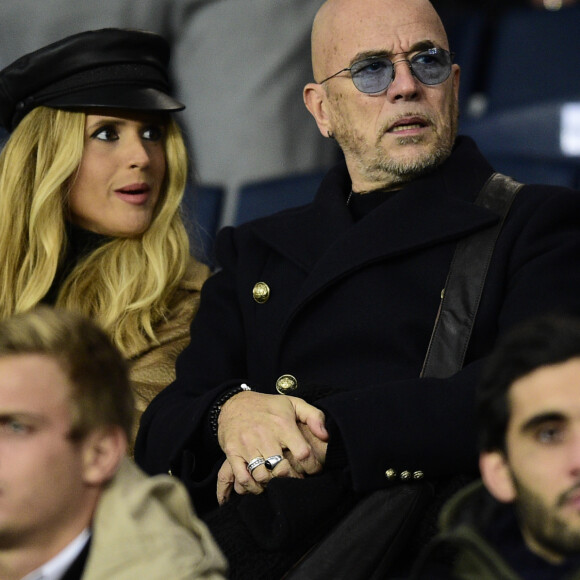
x=375, y=74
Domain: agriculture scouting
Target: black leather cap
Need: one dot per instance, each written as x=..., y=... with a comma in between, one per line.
x=108, y=68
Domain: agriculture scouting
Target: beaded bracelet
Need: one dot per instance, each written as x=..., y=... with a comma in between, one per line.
x=217, y=406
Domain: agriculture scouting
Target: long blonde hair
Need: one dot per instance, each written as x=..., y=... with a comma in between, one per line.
x=126, y=284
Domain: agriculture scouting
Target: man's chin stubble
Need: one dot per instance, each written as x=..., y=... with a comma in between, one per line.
x=405, y=170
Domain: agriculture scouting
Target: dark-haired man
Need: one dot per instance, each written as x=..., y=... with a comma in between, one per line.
x=523, y=521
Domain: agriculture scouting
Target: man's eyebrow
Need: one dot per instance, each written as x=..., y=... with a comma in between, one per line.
x=538, y=420
x=366, y=54
x=7, y=416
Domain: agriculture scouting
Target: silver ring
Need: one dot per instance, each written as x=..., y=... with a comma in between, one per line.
x=272, y=461
x=256, y=462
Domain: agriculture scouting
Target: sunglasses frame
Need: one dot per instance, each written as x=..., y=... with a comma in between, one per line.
x=409, y=61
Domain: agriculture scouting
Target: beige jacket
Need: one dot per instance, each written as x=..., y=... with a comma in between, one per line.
x=145, y=528
x=153, y=367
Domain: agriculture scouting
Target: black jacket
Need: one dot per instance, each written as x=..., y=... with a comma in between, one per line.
x=350, y=314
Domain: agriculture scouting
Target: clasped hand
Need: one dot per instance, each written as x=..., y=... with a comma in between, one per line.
x=254, y=425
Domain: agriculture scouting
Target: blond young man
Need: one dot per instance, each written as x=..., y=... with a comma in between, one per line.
x=72, y=505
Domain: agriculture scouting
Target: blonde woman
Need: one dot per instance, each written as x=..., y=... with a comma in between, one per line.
x=91, y=181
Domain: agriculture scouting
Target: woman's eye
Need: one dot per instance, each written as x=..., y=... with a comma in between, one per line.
x=153, y=133
x=105, y=134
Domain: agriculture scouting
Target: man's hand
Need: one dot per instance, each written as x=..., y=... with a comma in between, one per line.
x=319, y=446
x=254, y=425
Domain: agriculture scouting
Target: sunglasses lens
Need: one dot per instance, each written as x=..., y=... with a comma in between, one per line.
x=372, y=75
x=432, y=66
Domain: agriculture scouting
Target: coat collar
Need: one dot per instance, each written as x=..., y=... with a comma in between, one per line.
x=435, y=208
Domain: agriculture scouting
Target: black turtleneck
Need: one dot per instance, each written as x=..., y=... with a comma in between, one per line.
x=80, y=243
x=360, y=204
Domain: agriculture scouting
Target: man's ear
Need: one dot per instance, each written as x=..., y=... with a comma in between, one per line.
x=456, y=72
x=497, y=476
x=103, y=451
x=315, y=100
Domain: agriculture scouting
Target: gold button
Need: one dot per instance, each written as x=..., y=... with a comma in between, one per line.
x=418, y=475
x=390, y=474
x=286, y=384
x=405, y=475
x=261, y=292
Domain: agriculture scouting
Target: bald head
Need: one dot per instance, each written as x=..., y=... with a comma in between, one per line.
x=403, y=131
x=341, y=28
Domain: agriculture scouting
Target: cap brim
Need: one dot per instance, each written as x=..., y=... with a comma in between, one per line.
x=116, y=97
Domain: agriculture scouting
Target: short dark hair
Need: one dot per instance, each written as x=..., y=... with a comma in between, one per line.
x=541, y=341
x=101, y=392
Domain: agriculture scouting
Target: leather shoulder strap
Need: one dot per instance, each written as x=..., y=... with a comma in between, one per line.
x=465, y=281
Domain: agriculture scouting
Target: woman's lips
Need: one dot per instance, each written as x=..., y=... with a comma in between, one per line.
x=136, y=193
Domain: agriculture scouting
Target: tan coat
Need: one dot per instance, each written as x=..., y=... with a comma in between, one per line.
x=153, y=367
x=145, y=528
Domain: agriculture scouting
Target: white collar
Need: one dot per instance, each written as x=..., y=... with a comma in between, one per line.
x=55, y=568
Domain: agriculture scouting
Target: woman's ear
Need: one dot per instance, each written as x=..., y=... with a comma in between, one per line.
x=496, y=476
x=315, y=100
x=103, y=451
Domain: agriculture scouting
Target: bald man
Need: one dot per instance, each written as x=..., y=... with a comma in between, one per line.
x=301, y=391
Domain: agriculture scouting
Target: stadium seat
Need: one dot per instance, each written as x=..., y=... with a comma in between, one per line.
x=534, y=56
x=202, y=206
x=539, y=143
x=266, y=197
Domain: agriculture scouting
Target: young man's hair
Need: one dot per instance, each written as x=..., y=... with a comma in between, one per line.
x=101, y=394
x=546, y=340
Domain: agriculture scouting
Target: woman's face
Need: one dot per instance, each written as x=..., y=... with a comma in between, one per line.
x=120, y=176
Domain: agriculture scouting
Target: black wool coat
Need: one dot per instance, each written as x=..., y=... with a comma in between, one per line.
x=350, y=313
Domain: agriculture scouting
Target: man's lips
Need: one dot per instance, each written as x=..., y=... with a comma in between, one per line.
x=407, y=124
x=571, y=498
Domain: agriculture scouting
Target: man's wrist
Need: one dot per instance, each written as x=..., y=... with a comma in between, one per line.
x=216, y=408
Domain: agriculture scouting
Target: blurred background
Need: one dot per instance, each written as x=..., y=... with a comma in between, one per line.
x=240, y=66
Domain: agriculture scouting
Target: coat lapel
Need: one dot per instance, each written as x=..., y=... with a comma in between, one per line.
x=303, y=235
x=323, y=240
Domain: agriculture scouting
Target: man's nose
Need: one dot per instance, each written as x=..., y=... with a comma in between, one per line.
x=574, y=454
x=404, y=83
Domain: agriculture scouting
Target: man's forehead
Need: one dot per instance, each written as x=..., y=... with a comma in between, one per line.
x=551, y=389
x=341, y=34
x=33, y=382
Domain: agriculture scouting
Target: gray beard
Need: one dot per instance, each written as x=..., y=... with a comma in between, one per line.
x=385, y=171
x=405, y=171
